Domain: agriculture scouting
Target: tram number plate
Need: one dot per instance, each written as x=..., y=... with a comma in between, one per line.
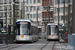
x=22, y=36
x=52, y=35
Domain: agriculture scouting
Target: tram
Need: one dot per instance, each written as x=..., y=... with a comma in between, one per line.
x=52, y=31
x=26, y=30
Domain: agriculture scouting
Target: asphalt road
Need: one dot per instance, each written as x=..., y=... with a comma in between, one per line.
x=41, y=44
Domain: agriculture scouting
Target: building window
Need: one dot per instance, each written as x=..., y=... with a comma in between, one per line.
x=16, y=0
x=30, y=1
x=43, y=14
x=30, y=8
x=62, y=9
x=27, y=16
x=39, y=8
x=39, y=22
x=49, y=3
x=62, y=1
x=26, y=8
x=30, y=15
x=46, y=2
x=71, y=7
x=16, y=6
x=1, y=14
x=52, y=2
x=1, y=8
x=56, y=18
x=66, y=9
x=34, y=8
x=39, y=15
x=56, y=1
x=27, y=1
x=38, y=1
x=62, y=17
x=34, y=1
x=43, y=2
x=34, y=15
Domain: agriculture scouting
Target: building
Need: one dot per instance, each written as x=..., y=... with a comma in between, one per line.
x=6, y=9
x=30, y=11
x=43, y=14
x=47, y=11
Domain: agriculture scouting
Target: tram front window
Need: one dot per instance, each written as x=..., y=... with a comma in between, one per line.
x=23, y=28
x=52, y=30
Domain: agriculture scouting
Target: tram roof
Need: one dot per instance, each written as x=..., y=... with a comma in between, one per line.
x=28, y=20
x=52, y=24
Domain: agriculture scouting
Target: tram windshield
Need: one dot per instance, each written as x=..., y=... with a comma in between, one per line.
x=52, y=30
x=23, y=28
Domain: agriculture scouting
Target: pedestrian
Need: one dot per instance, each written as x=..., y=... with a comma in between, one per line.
x=66, y=37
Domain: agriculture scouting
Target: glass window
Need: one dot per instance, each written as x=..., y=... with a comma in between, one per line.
x=43, y=2
x=46, y=14
x=39, y=8
x=52, y=30
x=62, y=17
x=71, y=0
x=71, y=7
x=26, y=8
x=27, y=16
x=34, y=15
x=16, y=6
x=38, y=1
x=16, y=14
x=46, y=2
x=52, y=2
x=49, y=2
x=62, y=9
x=1, y=14
x=56, y=1
x=34, y=8
x=30, y=15
x=1, y=8
x=23, y=29
x=16, y=0
x=27, y=1
x=43, y=14
x=39, y=22
x=62, y=1
x=56, y=18
x=34, y=1
x=30, y=8
x=66, y=9
x=30, y=1
x=39, y=15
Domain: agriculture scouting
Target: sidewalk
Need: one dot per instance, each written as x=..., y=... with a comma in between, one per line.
x=66, y=46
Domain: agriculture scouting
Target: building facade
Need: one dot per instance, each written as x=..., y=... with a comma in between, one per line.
x=6, y=9
x=47, y=12
x=43, y=14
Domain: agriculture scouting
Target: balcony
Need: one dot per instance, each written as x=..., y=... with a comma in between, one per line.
x=48, y=7
x=47, y=20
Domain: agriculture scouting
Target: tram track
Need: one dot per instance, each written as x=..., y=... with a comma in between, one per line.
x=53, y=45
x=8, y=47
x=47, y=44
x=44, y=45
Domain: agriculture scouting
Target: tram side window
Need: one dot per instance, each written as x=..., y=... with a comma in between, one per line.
x=56, y=30
x=48, y=30
x=18, y=29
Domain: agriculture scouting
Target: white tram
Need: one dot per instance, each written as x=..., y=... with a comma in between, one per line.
x=52, y=31
x=26, y=30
